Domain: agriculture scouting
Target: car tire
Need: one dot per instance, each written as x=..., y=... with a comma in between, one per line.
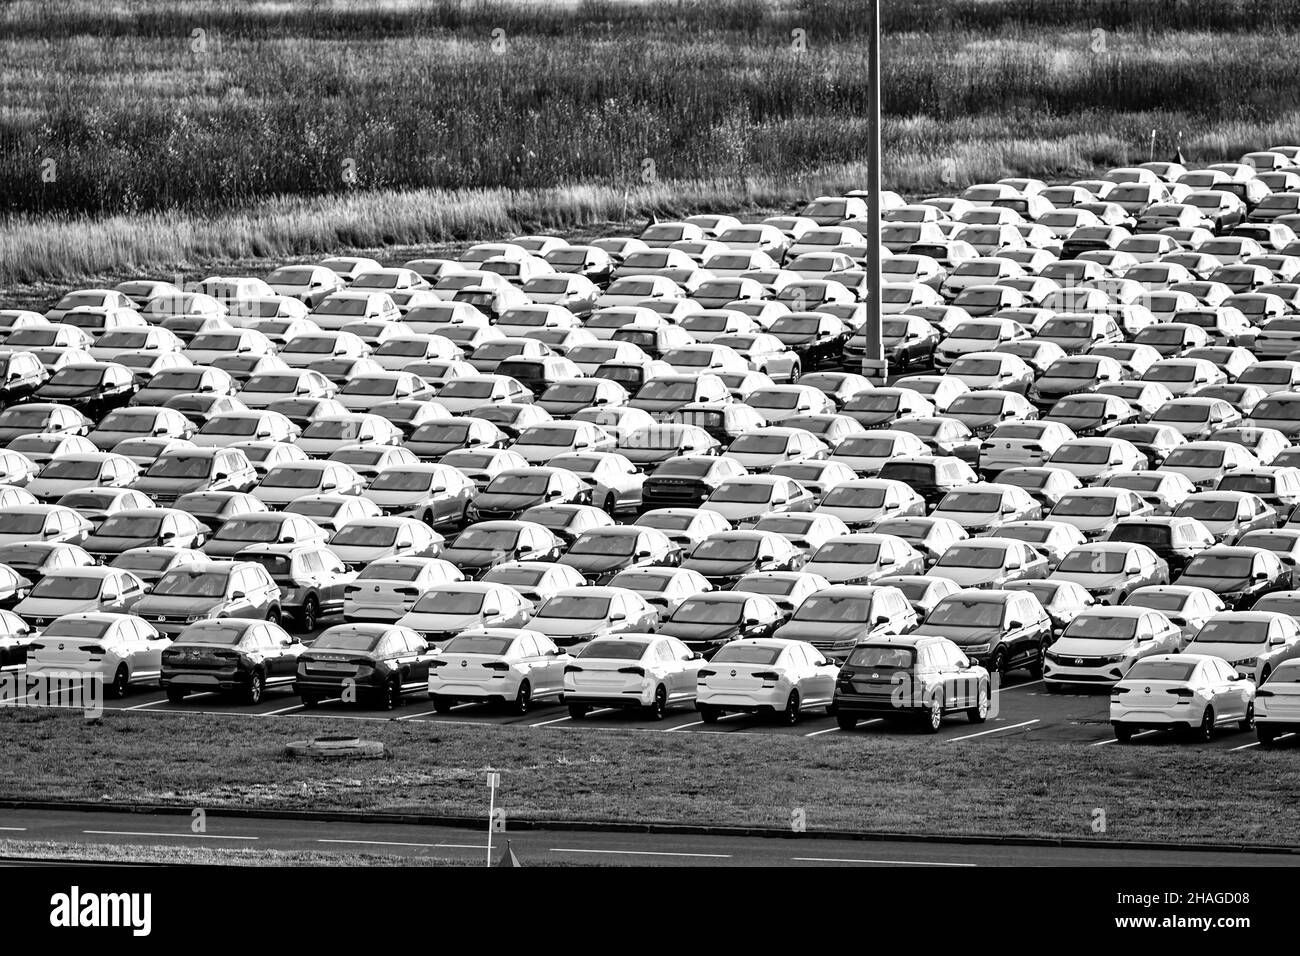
x=846, y=721
x=795, y=372
x=998, y=666
x=309, y=614
x=443, y=704
x=523, y=700
x=1204, y=732
x=1247, y=723
x=659, y=706
x=932, y=718
x=1036, y=668
x=609, y=504
x=708, y=714
x=980, y=712
x=429, y=518
x=577, y=711
x=1123, y=732
x=790, y=716
x=121, y=679
x=176, y=694
x=1267, y=737
x=273, y=614
x=391, y=697
x=256, y=688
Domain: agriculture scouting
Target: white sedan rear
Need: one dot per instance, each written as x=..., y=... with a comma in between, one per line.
x=1193, y=693
x=765, y=675
x=646, y=671
x=498, y=665
x=119, y=649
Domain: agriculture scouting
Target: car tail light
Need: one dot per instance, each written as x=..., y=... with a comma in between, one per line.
x=92, y=649
x=437, y=663
x=415, y=591
x=1116, y=691
x=638, y=671
x=1181, y=692
x=497, y=666
x=36, y=647
x=572, y=669
x=766, y=675
x=705, y=672
x=349, y=589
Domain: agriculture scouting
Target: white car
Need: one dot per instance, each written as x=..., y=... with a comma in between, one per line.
x=498, y=665
x=1277, y=704
x=119, y=649
x=445, y=611
x=1186, y=605
x=632, y=670
x=1193, y=693
x=386, y=590
x=535, y=580
x=663, y=588
x=1253, y=642
x=1100, y=645
x=765, y=675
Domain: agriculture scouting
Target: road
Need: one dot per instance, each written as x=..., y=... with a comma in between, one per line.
x=582, y=846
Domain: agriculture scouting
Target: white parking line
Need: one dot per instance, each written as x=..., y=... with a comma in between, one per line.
x=204, y=836
x=995, y=730
x=14, y=829
x=1020, y=686
x=1253, y=743
x=1112, y=740
x=547, y=723
x=282, y=710
x=451, y=846
x=694, y=723
x=831, y=859
x=703, y=856
x=831, y=730
x=148, y=703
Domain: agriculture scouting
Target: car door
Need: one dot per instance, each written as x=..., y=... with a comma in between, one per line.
x=146, y=648
x=685, y=669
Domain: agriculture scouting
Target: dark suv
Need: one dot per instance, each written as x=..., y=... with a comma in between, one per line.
x=229, y=656
x=912, y=675
x=311, y=579
x=217, y=589
x=687, y=480
x=1177, y=540
x=1001, y=630
x=185, y=470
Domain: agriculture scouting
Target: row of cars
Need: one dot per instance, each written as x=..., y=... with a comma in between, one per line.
x=667, y=439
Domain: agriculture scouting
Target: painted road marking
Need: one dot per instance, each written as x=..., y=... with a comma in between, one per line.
x=830, y=859
x=204, y=836
x=282, y=710
x=703, y=856
x=995, y=730
x=694, y=723
x=1112, y=740
x=448, y=846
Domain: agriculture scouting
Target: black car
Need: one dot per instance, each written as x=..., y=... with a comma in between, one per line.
x=41, y=417
x=728, y=555
x=1239, y=576
x=21, y=374
x=930, y=477
x=230, y=656
x=371, y=663
x=601, y=553
x=910, y=676
x=687, y=480
x=1002, y=630
x=485, y=544
x=707, y=621
x=1176, y=540
x=92, y=388
x=513, y=492
x=909, y=343
x=33, y=560
x=815, y=337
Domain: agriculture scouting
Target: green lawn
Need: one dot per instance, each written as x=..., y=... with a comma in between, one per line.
x=898, y=784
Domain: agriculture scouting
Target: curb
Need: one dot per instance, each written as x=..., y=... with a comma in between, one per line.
x=595, y=826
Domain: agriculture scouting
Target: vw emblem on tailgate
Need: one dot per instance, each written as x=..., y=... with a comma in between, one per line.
x=1146, y=690
x=733, y=673
x=464, y=663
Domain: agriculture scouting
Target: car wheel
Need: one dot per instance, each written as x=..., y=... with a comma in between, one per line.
x=577, y=711
x=117, y=689
x=256, y=686
x=392, y=698
x=522, y=699
x=443, y=704
x=1264, y=675
x=609, y=504
x=176, y=694
x=1123, y=732
x=1248, y=722
x=273, y=614
x=310, y=613
x=708, y=714
x=980, y=712
x=1036, y=668
x=795, y=372
x=1205, y=732
x=933, y=717
x=790, y=715
x=999, y=665
x=846, y=721
x=659, y=706
x=1266, y=736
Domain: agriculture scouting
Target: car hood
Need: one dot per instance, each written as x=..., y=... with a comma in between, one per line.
x=961, y=635
x=1215, y=584
x=467, y=558
x=595, y=563
x=967, y=577
x=53, y=607
x=1227, y=650
x=425, y=621
x=822, y=630
x=176, y=486
x=505, y=502
x=838, y=573
x=1090, y=580
x=115, y=544
x=699, y=632
x=718, y=568
x=1091, y=647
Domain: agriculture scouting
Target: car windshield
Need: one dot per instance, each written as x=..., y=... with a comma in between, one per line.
x=1208, y=509
x=1230, y=632
x=71, y=468
x=972, y=501
x=1081, y=455
x=849, y=496
x=660, y=391
x=485, y=539
x=191, y=583
x=130, y=526
x=604, y=543
x=965, y=612
x=575, y=606
x=333, y=430
x=1089, y=561
x=726, y=549
x=248, y=529
x=708, y=611
x=361, y=535
x=1100, y=627
x=1084, y=506
x=531, y=485
x=743, y=492
x=180, y=466
x=880, y=657
x=346, y=640
x=144, y=561
x=292, y=477
x=22, y=522
x=834, y=608
x=975, y=556
x=67, y=588
x=1227, y=567
x=551, y=437
x=1255, y=484
x=444, y=601
x=848, y=552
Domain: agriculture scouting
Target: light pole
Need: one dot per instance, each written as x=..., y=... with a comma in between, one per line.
x=873, y=361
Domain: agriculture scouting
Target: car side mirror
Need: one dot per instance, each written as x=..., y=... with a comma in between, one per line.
x=237, y=595
x=752, y=622
x=1276, y=641
x=642, y=554
x=289, y=642
x=288, y=539
x=880, y=619
x=618, y=616
x=697, y=656
x=167, y=536
x=1259, y=576
x=1015, y=625
x=221, y=476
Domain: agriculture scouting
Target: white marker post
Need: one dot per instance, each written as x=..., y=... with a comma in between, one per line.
x=493, y=781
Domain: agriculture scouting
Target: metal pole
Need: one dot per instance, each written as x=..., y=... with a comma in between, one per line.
x=873, y=362
x=493, y=777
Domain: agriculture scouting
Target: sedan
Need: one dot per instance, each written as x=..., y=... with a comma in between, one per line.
x=1192, y=693
x=377, y=663
x=119, y=649
x=632, y=670
x=242, y=657
x=1111, y=571
x=769, y=676
x=498, y=665
x=1100, y=645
